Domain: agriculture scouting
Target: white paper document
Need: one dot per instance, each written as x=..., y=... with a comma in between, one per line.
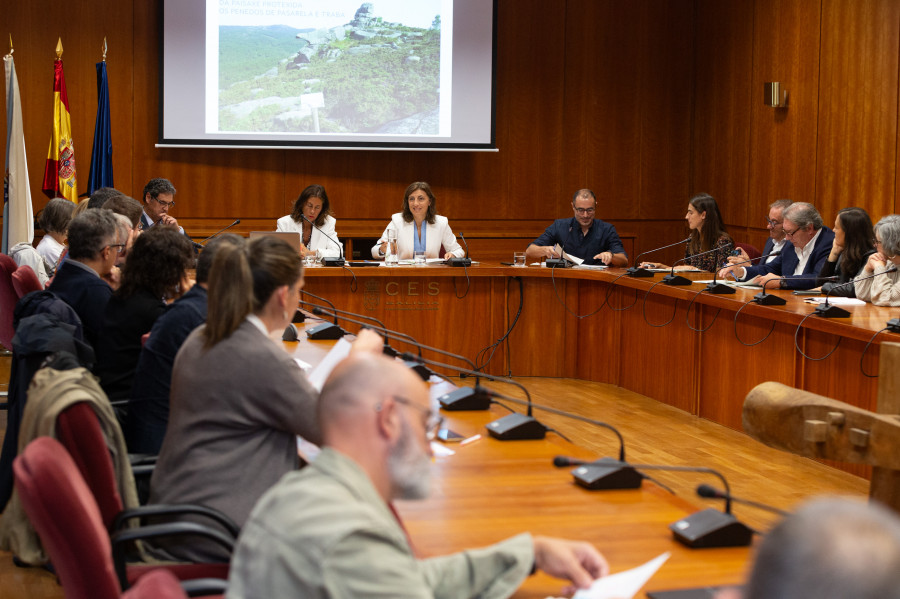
x=323, y=369
x=623, y=585
x=567, y=256
x=836, y=301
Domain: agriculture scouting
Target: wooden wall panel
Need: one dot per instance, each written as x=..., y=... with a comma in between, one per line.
x=857, y=127
x=602, y=88
x=722, y=96
x=665, y=96
x=785, y=49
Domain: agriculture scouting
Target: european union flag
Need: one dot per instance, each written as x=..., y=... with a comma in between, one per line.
x=101, y=174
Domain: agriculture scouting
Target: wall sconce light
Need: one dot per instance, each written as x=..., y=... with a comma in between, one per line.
x=775, y=95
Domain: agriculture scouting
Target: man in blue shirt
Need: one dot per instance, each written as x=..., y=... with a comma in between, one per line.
x=584, y=236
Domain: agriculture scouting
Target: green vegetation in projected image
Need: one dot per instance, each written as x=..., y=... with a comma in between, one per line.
x=368, y=76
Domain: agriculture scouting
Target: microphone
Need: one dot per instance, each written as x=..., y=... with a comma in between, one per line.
x=764, y=299
x=673, y=279
x=200, y=245
x=715, y=287
x=829, y=311
x=464, y=398
x=454, y=261
x=388, y=350
x=713, y=493
x=560, y=262
x=326, y=330
x=706, y=528
x=637, y=271
x=328, y=261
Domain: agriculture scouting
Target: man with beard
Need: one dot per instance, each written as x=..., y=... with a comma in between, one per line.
x=582, y=235
x=330, y=531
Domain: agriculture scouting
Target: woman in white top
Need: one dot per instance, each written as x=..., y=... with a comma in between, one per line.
x=54, y=220
x=883, y=290
x=313, y=207
x=420, y=228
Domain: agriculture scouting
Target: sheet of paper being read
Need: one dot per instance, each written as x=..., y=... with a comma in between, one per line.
x=566, y=255
x=623, y=585
x=323, y=369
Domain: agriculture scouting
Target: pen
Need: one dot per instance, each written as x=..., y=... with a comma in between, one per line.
x=471, y=439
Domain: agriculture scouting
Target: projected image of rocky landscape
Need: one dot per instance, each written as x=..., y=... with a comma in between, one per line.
x=367, y=76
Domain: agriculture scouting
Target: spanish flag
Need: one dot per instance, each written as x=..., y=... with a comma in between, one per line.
x=59, y=173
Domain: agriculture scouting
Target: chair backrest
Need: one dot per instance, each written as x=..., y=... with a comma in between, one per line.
x=78, y=430
x=751, y=250
x=64, y=514
x=24, y=281
x=8, y=299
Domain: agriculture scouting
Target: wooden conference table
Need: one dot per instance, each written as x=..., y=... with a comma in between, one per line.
x=705, y=373
x=491, y=490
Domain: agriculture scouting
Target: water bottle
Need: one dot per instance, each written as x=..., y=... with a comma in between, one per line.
x=391, y=255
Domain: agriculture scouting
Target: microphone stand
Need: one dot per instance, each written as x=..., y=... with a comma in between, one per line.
x=716, y=288
x=764, y=299
x=326, y=330
x=465, y=261
x=638, y=271
x=673, y=279
x=328, y=261
x=201, y=245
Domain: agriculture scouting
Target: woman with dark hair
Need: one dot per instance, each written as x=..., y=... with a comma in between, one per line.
x=883, y=290
x=419, y=228
x=707, y=232
x=854, y=242
x=238, y=400
x=155, y=270
x=313, y=207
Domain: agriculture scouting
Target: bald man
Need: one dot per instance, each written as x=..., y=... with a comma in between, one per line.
x=329, y=530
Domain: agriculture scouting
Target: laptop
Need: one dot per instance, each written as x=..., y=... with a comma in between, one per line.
x=291, y=237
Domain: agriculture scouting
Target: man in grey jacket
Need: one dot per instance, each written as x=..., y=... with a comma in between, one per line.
x=329, y=530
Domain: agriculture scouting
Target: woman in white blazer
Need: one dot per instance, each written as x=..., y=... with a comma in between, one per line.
x=313, y=204
x=419, y=227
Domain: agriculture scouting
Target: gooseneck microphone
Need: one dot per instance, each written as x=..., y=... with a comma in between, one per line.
x=560, y=262
x=673, y=279
x=638, y=271
x=766, y=299
x=319, y=311
x=826, y=310
x=465, y=261
x=716, y=288
x=326, y=330
x=202, y=244
x=706, y=528
x=709, y=492
x=328, y=260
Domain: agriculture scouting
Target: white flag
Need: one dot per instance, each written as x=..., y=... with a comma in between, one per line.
x=18, y=215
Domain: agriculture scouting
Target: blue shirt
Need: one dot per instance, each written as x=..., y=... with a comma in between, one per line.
x=601, y=237
x=419, y=242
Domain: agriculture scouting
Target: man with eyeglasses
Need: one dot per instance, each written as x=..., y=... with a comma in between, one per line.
x=796, y=266
x=330, y=530
x=159, y=197
x=93, y=249
x=582, y=235
x=776, y=241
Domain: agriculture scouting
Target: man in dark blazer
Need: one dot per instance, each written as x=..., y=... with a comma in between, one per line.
x=796, y=267
x=159, y=197
x=93, y=249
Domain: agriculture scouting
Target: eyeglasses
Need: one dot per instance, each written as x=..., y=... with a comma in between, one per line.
x=430, y=420
x=585, y=211
x=774, y=223
x=164, y=204
x=120, y=247
x=792, y=233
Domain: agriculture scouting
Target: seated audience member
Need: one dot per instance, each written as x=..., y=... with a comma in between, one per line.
x=314, y=205
x=854, y=242
x=707, y=231
x=238, y=400
x=100, y=196
x=330, y=531
x=93, y=249
x=54, y=220
x=798, y=266
x=828, y=549
x=159, y=197
x=148, y=410
x=131, y=209
x=157, y=269
x=419, y=228
x=883, y=290
x=582, y=235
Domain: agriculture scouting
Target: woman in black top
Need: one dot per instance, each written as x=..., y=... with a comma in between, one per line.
x=854, y=242
x=156, y=269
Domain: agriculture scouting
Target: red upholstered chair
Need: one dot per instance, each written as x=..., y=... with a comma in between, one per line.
x=78, y=430
x=751, y=250
x=159, y=584
x=65, y=516
x=24, y=281
x=8, y=299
